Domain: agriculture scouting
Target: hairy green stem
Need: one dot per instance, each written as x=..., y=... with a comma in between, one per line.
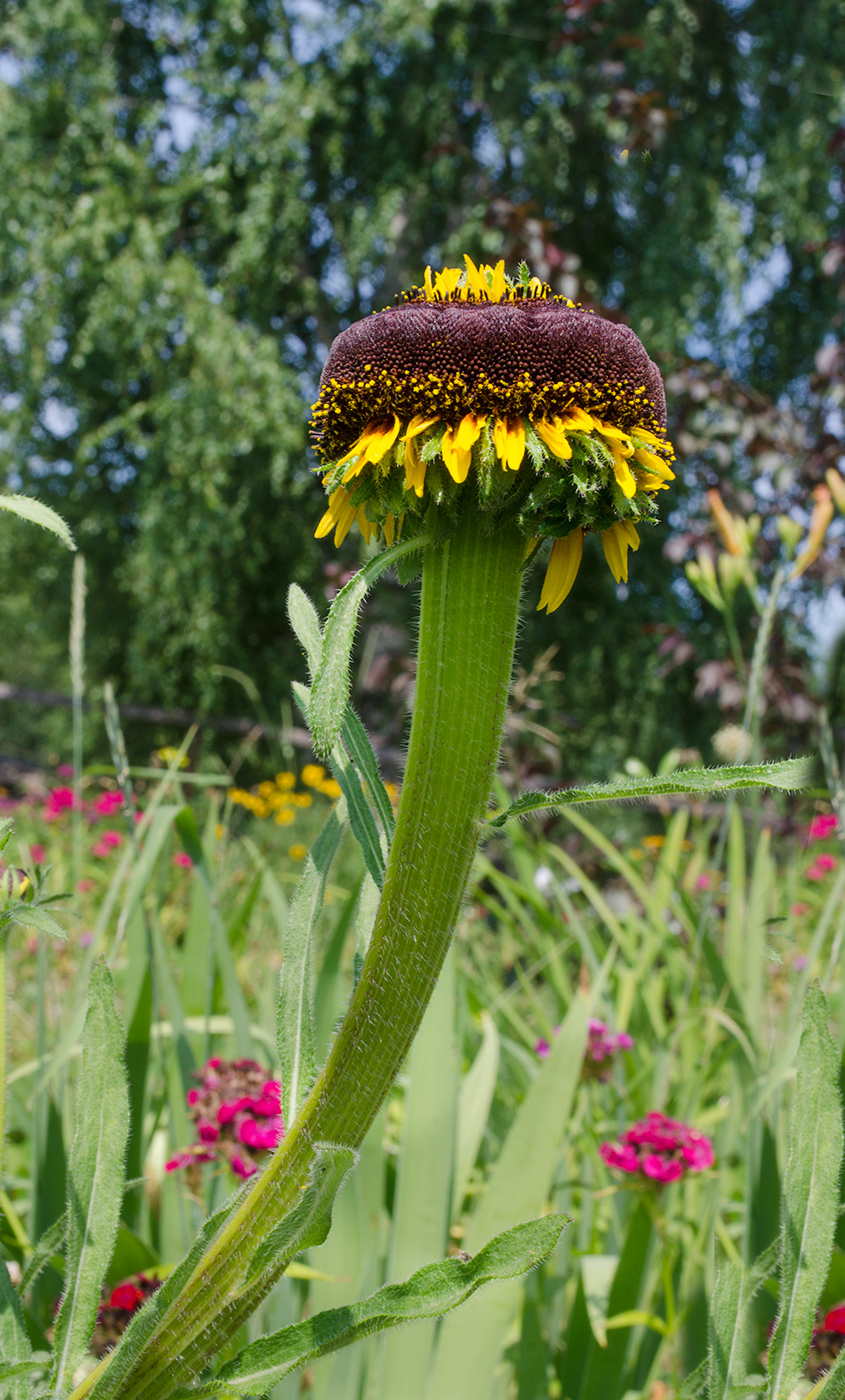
x=468, y=618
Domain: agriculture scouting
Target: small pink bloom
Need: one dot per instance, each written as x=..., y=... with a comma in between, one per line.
x=273, y=1089
x=59, y=801
x=799, y=962
x=85, y=885
x=821, y=866
x=38, y=853
x=698, y=1152
x=243, y=1169
x=192, y=1097
x=624, y=1041
x=85, y=939
x=182, y=1159
x=112, y=839
x=107, y=803
x=703, y=881
x=206, y=1131
x=822, y=826
x=619, y=1155
x=64, y=770
x=661, y=1168
x=126, y=1297
x=835, y=1320
x=182, y=860
x=799, y=909
x=266, y=1107
x=226, y=1113
x=542, y=1049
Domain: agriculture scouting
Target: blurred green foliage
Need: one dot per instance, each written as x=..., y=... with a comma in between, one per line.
x=196, y=196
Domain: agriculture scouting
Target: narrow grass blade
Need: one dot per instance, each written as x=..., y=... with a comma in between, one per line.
x=788, y=775
x=810, y=1202
x=474, y=1100
x=424, y=1180
x=605, y=1366
x=39, y=514
x=470, y=1343
x=296, y=985
x=330, y=691
x=430, y=1292
x=95, y=1176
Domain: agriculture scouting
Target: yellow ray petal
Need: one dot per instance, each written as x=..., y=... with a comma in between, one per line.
x=646, y=435
x=554, y=436
x=616, y=542
x=447, y=280
x=509, y=442
x=337, y=500
x=563, y=566
x=497, y=289
x=577, y=418
x=475, y=280
x=389, y=528
x=457, y=459
x=650, y=483
x=414, y=465
x=430, y=293
x=624, y=476
x=654, y=464
x=469, y=431
x=614, y=434
x=365, y=525
x=345, y=521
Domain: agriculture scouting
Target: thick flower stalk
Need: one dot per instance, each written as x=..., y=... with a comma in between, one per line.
x=484, y=414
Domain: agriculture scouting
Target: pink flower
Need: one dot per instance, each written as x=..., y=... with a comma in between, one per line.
x=822, y=826
x=108, y=842
x=703, y=881
x=206, y=1131
x=661, y=1168
x=59, y=801
x=182, y=860
x=821, y=866
x=64, y=770
x=799, y=962
x=107, y=803
x=85, y=939
x=542, y=1049
x=799, y=909
x=835, y=1320
x=663, y=1149
x=38, y=853
x=242, y=1168
x=85, y=885
x=192, y=1096
x=126, y=1297
x=602, y=1045
x=620, y=1155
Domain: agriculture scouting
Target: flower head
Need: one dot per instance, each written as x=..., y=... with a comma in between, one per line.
x=117, y=1308
x=237, y=1115
x=59, y=801
x=659, y=1148
x=822, y=826
x=603, y=1045
x=546, y=413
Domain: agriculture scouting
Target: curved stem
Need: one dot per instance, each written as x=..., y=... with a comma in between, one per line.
x=468, y=617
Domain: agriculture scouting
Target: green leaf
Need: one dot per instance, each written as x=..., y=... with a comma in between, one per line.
x=788, y=774
x=598, y=1272
x=39, y=514
x=6, y=828
x=14, y=1344
x=33, y=916
x=475, y=1097
x=51, y=1242
x=146, y=1320
x=732, y=1325
x=360, y=750
x=95, y=1176
x=810, y=1203
x=430, y=1292
x=296, y=983
x=330, y=691
x=40, y=1361
x=306, y=625
x=308, y=1224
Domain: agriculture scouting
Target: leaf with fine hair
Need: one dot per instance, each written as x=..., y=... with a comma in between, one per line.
x=308, y=1224
x=39, y=514
x=430, y=1292
x=788, y=775
x=14, y=1343
x=296, y=982
x=33, y=916
x=95, y=1176
x=810, y=1200
x=306, y=625
x=51, y=1242
x=731, y=1324
x=330, y=691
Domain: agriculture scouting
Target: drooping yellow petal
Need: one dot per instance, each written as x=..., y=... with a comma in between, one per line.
x=823, y=511
x=389, y=528
x=554, y=436
x=563, y=566
x=616, y=542
x=469, y=431
x=646, y=435
x=614, y=434
x=645, y=482
x=621, y=470
x=365, y=525
x=457, y=459
x=654, y=464
x=447, y=280
x=509, y=442
x=578, y=419
x=414, y=465
x=373, y=444
x=338, y=510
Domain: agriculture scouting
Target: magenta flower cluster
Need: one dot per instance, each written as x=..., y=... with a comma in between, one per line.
x=237, y=1115
x=603, y=1045
x=659, y=1148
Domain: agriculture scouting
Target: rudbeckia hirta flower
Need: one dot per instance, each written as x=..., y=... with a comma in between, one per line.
x=478, y=383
